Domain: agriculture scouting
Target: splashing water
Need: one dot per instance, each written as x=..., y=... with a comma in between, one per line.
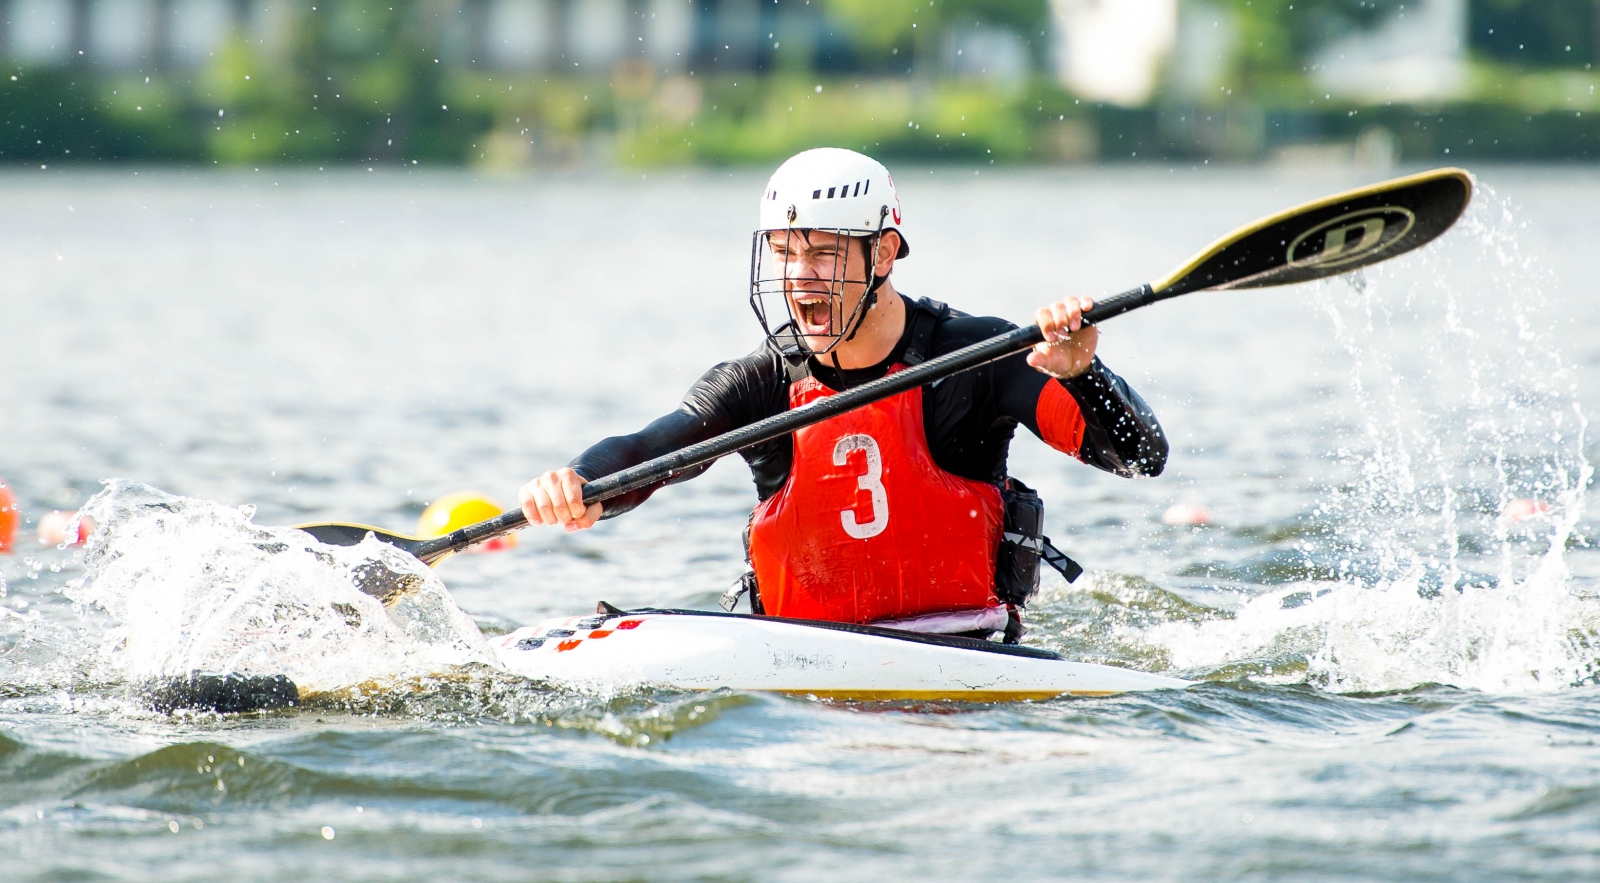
x=189, y=585
x=1448, y=543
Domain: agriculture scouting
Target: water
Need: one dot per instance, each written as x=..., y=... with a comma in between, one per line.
x=1397, y=677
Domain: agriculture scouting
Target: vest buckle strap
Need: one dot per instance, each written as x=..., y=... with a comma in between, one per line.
x=1032, y=544
x=746, y=583
x=1070, y=570
x=1014, y=628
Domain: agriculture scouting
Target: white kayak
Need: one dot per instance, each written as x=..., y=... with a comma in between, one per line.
x=699, y=650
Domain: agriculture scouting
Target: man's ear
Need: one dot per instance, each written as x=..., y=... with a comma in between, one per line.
x=888, y=247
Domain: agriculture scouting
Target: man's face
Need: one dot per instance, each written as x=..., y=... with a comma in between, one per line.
x=824, y=279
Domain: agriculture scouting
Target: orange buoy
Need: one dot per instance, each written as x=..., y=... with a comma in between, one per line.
x=455, y=511
x=53, y=529
x=1190, y=514
x=9, y=517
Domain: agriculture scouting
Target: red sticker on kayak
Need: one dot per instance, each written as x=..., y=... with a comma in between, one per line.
x=629, y=624
x=597, y=635
x=568, y=645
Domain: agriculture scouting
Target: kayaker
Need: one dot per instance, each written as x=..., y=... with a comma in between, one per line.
x=894, y=513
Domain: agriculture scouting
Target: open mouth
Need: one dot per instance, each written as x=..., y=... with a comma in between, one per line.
x=815, y=313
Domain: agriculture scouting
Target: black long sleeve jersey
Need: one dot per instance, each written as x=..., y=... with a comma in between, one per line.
x=969, y=417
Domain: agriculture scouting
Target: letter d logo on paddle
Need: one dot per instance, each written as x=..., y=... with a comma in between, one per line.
x=1350, y=237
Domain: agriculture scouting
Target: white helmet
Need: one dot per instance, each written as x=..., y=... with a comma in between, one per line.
x=828, y=190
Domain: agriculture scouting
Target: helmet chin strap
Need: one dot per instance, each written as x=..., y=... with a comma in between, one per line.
x=870, y=299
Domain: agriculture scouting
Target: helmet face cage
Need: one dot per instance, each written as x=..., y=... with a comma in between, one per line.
x=771, y=284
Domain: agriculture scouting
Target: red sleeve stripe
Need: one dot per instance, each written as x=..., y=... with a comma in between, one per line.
x=1060, y=420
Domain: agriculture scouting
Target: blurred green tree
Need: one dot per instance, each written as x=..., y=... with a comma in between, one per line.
x=50, y=115
x=362, y=83
x=1537, y=33
x=877, y=28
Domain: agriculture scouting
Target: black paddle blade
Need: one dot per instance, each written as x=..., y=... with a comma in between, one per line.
x=222, y=693
x=373, y=578
x=429, y=551
x=335, y=534
x=1328, y=236
x=388, y=586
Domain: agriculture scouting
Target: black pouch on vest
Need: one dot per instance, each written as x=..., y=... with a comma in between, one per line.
x=1022, y=546
x=1016, y=565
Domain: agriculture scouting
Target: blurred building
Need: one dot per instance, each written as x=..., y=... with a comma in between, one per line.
x=1419, y=53
x=555, y=35
x=1112, y=50
x=569, y=36
x=117, y=34
x=512, y=34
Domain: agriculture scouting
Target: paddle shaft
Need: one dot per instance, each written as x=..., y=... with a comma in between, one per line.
x=669, y=466
x=1315, y=240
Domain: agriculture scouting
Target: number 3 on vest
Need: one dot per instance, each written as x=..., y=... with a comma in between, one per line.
x=872, y=481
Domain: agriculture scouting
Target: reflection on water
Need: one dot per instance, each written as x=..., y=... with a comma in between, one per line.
x=1398, y=594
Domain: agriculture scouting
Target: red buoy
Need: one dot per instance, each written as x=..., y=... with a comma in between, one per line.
x=10, y=516
x=1524, y=509
x=1188, y=514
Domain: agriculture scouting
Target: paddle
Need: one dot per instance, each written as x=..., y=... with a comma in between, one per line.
x=1318, y=239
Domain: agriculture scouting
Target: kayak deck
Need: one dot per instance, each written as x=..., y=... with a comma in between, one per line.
x=701, y=650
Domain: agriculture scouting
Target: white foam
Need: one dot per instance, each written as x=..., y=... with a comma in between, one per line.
x=191, y=585
x=1530, y=637
x=1465, y=406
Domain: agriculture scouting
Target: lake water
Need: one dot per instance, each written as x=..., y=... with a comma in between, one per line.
x=1398, y=675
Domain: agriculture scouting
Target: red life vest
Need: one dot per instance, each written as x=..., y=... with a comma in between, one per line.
x=868, y=527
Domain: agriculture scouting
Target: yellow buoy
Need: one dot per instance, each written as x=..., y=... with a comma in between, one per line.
x=455, y=511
